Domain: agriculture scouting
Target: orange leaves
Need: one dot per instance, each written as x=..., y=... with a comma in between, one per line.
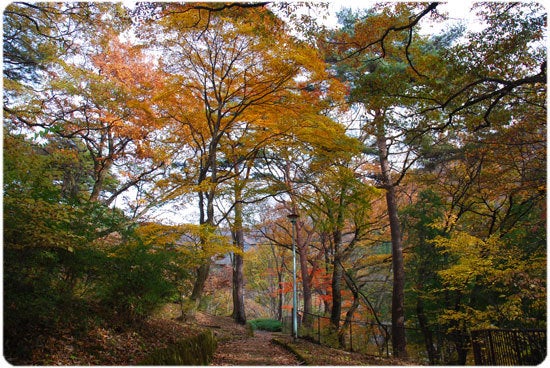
x=321, y=280
x=131, y=76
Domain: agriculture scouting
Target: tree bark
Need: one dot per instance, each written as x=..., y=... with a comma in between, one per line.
x=399, y=343
x=279, y=269
x=202, y=274
x=306, y=284
x=279, y=296
x=239, y=314
x=337, y=274
x=398, y=290
x=206, y=213
x=100, y=171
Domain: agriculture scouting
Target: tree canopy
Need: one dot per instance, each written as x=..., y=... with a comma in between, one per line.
x=415, y=160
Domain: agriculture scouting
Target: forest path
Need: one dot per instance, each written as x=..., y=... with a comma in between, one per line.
x=255, y=350
x=237, y=347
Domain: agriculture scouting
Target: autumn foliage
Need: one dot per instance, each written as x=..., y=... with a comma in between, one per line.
x=152, y=154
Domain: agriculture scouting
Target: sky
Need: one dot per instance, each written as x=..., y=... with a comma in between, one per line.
x=458, y=10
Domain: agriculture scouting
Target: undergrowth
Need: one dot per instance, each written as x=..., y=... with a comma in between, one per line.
x=266, y=324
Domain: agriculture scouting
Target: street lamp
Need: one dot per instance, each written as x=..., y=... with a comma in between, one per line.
x=293, y=217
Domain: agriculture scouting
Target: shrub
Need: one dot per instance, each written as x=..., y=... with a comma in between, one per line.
x=133, y=283
x=266, y=324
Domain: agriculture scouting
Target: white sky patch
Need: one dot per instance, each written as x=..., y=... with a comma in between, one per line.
x=458, y=11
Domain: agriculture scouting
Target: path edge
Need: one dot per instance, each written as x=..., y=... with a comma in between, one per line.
x=303, y=360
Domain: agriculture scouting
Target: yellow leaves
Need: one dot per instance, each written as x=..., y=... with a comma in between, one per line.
x=207, y=239
x=196, y=242
x=493, y=279
x=475, y=257
x=512, y=308
x=159, y=235
x=458, y=320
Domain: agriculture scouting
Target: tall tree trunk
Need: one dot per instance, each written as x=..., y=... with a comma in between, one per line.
x=306, y=286
x=398, y=290
x=326, y=304
x=306, y=282
x=238, y=275
x=279, y=269
x=462, y=347
x=337, y=273
x=206, y=218
x=279, y=295
x=399, y=343
x=239, y=314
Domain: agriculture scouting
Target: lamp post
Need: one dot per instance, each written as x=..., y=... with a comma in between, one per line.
x=293, y=217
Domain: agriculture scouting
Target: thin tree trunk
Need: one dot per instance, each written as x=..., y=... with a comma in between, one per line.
x=238, y=275
x=206, y=216
x=239, y=314
x=279, y=295
x=279, y=269
x=202, y=272
x=337, y=274
x=306, y=284
x=326, y=304
x=398, y=290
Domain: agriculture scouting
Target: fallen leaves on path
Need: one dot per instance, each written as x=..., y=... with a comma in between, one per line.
x=237, y=347
x=256, y=350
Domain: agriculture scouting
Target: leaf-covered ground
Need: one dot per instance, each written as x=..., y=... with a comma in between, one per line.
x=236, y=345
x=257, y=350
x=109, y=346
x=315, y=354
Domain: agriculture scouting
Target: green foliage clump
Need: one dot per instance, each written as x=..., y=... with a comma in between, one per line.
x=266, y=324
x=196, y=350
x=70, y=263
x=133, y=283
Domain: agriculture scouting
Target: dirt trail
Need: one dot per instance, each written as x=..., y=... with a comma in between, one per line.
x=256, y=350
x=236, y=347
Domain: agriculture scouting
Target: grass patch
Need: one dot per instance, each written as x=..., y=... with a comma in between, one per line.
x=266, y=324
